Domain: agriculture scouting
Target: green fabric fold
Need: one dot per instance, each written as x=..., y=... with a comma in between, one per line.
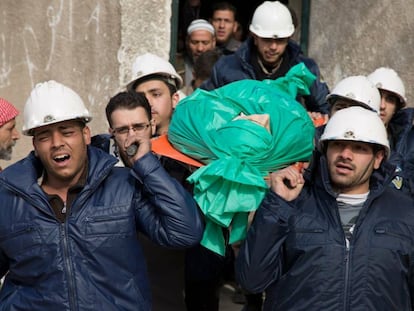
x=239, y=153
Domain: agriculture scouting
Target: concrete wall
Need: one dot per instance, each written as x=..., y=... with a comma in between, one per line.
x=86, y=45
x=357, y=36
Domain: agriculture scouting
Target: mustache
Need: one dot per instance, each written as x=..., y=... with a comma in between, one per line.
x=340, y=161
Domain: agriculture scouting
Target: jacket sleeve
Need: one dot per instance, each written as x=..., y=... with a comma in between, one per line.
x=260, y=259
x=165, y=211
x=212, y=82
x=319, y=90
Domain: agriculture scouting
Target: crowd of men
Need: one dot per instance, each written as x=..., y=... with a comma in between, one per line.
x=93, y=222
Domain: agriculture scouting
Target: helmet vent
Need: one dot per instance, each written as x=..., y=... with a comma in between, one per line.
x=48, y=118
x=350, y=95
x=349, y=134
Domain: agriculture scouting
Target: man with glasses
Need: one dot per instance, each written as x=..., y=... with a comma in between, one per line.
x=128, y=114
x=156, y=83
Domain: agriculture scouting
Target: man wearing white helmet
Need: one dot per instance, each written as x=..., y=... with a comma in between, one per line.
x=159, y=81
x=392, y=91
x=352, y=91
x=339, y=241
x=69, y=218
x=399, y=123
x=269, y=54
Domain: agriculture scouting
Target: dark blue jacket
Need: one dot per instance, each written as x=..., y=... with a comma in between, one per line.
x=401, y=138
x=238, y=66
x=92, y=261
x=296, y=251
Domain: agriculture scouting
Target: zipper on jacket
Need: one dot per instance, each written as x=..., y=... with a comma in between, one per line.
x=346, y=261
x=68, y=267
x=348, y=248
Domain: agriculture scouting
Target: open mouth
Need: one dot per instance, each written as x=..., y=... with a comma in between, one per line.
x=61, y=158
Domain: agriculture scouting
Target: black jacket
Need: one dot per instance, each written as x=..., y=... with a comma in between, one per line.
x=296, y=251
x=239, y=66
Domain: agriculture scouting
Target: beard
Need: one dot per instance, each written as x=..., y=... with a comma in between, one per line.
x=6, y=152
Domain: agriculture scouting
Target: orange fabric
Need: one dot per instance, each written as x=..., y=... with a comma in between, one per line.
x=161, y=146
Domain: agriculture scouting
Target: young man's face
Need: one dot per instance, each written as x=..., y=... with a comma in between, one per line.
x=127, y=122
x=8, y=137
x=62, y=148
x=200, y=41
x=270, y=50
x=161, y=101
x=224, y=24
x=350, y=165
x=388, y=107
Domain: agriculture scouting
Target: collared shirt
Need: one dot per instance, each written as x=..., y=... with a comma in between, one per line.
x=61, y=208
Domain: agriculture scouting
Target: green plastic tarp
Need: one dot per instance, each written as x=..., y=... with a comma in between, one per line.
x=239, y=153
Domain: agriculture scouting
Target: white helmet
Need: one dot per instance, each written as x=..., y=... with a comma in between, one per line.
x=358, y=89
x=51, y=102
x=387, y=79
x=149, y=64
x=272, y=19
x=356, y=124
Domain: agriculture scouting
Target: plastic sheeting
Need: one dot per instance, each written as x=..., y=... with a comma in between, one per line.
x=226, y=130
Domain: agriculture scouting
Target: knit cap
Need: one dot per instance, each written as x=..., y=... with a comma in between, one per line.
x=200, y=24
x=7, y=111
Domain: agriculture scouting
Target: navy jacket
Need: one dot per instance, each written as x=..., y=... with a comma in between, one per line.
x=238, y=66
x=401, y=138
x=296, y=251
x=92, y=261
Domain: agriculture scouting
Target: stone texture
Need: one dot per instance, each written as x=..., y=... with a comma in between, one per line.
x=86, y=45
x=356, y=37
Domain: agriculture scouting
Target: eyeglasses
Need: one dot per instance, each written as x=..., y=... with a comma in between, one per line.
x=123, y=130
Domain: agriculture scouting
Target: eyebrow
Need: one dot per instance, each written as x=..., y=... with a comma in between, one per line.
x=59, y=128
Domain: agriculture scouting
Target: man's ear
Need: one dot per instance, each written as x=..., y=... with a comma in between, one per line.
x=378, y=157
x=34, y=148
x=153, y=127
x=86, y=132
x=175, y=98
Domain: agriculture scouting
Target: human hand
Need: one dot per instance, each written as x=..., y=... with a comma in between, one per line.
x=318, y=118
x=288, y=182
x=136, y=147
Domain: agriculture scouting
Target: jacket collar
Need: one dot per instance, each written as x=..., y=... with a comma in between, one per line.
x=23, y=175
x=380, y=178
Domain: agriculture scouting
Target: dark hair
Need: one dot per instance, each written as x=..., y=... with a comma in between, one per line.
x=127, y=100
x=224, y=6
x=170, y=81
x=205, y=63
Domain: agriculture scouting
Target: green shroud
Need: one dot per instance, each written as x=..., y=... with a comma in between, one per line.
x=239, y=153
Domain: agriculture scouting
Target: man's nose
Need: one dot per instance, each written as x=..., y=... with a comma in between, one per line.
x=15, y=134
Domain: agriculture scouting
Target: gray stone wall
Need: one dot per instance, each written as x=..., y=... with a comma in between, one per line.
x=86, y=45
x=357, y=36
